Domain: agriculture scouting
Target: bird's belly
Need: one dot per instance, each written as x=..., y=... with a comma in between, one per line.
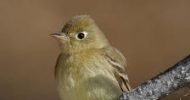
x=99, y=85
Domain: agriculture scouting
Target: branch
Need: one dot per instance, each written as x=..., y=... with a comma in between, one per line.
x=163, y=84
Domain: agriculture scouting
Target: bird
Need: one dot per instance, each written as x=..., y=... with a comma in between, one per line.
x=88, y=66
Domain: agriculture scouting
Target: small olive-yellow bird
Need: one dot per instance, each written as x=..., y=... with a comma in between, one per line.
x=88, y=67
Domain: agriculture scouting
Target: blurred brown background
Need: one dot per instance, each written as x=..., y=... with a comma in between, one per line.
x=152, y=34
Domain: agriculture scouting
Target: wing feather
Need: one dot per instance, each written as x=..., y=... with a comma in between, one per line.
x=118, y=61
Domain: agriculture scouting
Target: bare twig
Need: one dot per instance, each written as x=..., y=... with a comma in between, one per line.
x=169, y=81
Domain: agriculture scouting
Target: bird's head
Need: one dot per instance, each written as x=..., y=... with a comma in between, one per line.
x=80, y=33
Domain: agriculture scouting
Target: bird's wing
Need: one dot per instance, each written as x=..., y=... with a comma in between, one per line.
x=118, y=61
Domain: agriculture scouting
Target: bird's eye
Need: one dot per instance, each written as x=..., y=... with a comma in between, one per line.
x=81, y=35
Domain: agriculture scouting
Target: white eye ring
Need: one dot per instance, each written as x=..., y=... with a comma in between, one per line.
x=81, y=35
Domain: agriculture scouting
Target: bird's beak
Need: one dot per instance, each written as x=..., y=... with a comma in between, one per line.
x=59, y=36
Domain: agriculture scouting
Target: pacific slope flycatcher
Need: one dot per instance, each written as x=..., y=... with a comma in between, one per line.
x=88, y=67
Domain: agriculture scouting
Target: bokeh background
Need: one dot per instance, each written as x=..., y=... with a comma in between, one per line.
x=152, y=34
